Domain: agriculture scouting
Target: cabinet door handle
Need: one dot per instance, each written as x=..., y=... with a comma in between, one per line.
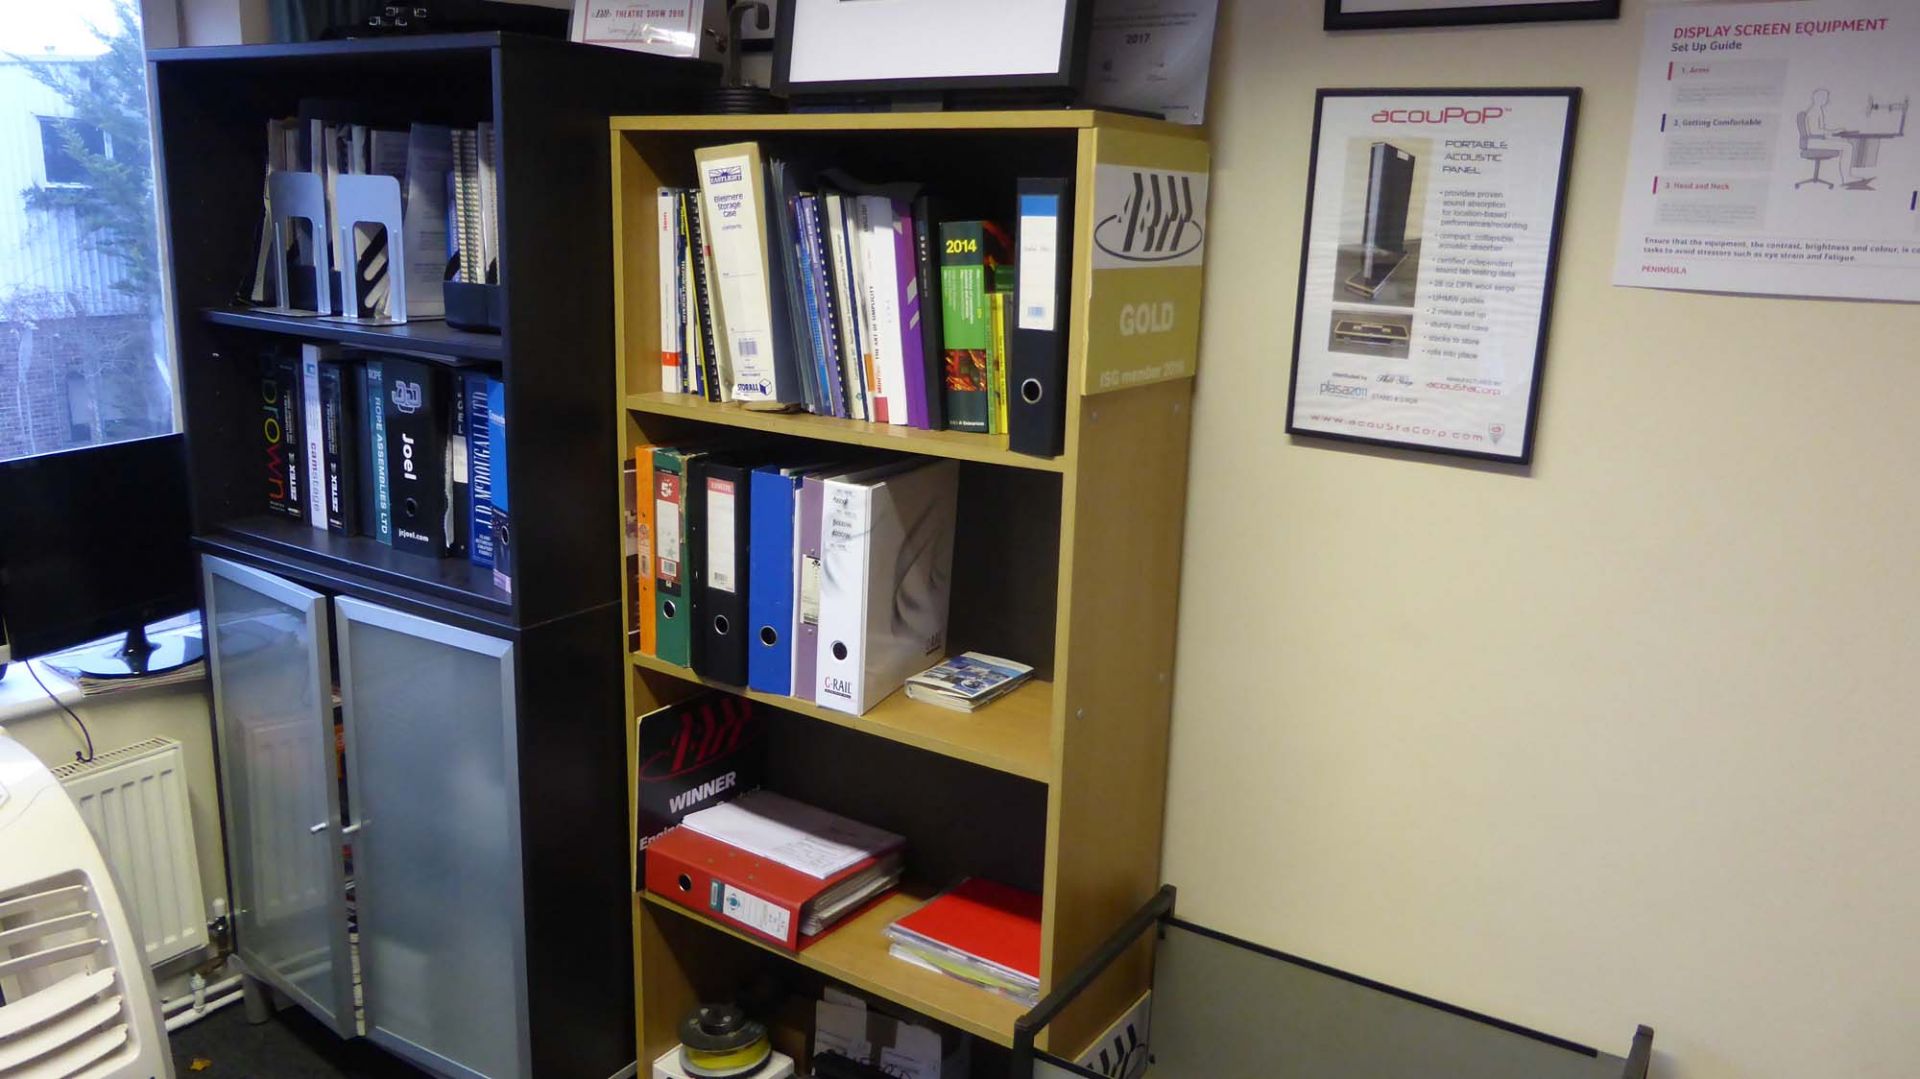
x=318, y=828
x=351, y=829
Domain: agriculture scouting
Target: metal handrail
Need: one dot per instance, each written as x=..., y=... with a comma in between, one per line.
x=1029, y=1025
x=1153, y=915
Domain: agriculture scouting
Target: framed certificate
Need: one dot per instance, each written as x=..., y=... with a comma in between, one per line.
x=1388, y=14
x=671, y=28
x=1427, y=272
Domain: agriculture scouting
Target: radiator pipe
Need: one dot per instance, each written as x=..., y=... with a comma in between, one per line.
x=202, y=992
x=194, y=1015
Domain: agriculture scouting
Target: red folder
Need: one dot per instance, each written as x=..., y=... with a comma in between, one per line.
x=742, y=891
x=986, y=920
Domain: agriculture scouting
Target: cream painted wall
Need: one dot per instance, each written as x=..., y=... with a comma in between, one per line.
x=1628, y=737
x=182, y=713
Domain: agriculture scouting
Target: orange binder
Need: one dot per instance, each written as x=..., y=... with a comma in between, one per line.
x=742, y=891
x=642, y=606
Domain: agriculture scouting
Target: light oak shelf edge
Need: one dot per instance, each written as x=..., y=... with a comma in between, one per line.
x=856, y=954
x=1011, y=735
x=956, y=445
x=826, y=122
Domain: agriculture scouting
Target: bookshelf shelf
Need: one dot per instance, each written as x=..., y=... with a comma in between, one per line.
x=959, y=445
x=454, y=579
x=427, y=335
x=1010, y=735
x=885, y=122
x=1069, y=564
x=856, y=953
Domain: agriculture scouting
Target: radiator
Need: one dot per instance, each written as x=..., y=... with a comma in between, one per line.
x=134, y=800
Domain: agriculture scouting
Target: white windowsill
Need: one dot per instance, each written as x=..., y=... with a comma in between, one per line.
x=21, y=698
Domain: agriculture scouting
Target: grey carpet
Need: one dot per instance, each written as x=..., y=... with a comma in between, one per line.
x=292, y=1045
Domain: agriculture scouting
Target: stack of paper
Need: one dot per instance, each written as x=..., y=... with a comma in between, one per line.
x=812, y=841
x=968, y=681
x=983, y=933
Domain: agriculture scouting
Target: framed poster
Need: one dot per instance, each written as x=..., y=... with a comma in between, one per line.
x=1388, y=14
x=1427, y=269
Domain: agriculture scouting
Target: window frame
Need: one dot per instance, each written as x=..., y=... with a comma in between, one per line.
x=49, y=125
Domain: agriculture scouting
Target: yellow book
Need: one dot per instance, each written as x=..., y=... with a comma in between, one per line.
x=997, y=363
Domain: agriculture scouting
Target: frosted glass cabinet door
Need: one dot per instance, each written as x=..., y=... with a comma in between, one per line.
x=273, y=706
x=433, y=783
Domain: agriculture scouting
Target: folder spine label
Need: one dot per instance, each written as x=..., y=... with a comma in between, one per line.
x=751, y=910
x=667, y=513
x=720, y=537
x=1039, y=259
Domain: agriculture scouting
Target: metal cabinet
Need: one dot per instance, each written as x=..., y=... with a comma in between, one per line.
x=267, y=640
x=431, y=775
x=421, y=827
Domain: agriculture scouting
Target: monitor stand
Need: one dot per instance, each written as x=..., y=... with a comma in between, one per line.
x=136, y=656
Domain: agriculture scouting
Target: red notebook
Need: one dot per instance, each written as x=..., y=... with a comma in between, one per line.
x=986, y=920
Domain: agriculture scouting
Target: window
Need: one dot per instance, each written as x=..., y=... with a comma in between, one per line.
x=57, y=137
x=83, y=357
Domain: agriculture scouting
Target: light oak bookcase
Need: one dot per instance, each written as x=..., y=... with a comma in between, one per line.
x=1068, y=563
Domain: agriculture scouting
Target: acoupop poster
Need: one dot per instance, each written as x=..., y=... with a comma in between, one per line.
x=1433, y=223
x=1772, y=154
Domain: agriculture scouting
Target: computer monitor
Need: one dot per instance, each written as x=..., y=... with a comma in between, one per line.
x=96, y=542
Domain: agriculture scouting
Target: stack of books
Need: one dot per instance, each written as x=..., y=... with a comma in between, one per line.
x=982, y=932
x=404, y=451
x=828, y=580
x=860, y=301
x=968, y=681
x=774, y=868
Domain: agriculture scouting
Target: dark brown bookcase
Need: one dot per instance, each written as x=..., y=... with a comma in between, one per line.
x=562, y=695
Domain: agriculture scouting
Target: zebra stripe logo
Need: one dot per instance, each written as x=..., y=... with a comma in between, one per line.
x=1156, y=222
